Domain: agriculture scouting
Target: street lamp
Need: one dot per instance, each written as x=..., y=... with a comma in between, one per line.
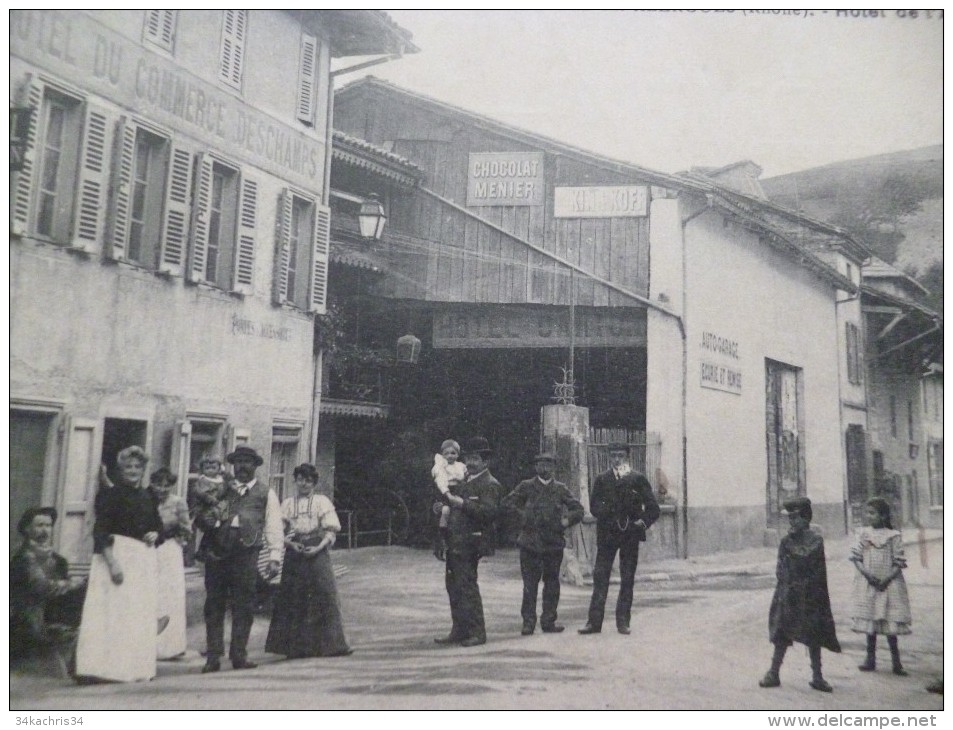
x=371, y=218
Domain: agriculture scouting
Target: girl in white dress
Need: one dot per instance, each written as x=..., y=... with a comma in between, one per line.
x=881, y=602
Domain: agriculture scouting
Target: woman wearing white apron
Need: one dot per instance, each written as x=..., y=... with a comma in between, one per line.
x=176, y=531
x=117, y=634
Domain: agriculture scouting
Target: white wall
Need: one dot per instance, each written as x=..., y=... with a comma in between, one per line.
x=751, y=294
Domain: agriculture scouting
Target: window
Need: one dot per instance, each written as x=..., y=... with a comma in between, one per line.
x=855, y=366
x=152, y=184
x=60, y=191
x=223, y=240
x=301, y=253
x=935, y=470
x=148, y=180
x=893, y=416
x=307, y=79
x=234, y=24
x=160, y=28
x=284, y=458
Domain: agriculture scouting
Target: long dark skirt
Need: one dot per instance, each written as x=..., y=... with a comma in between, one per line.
x=306, y=620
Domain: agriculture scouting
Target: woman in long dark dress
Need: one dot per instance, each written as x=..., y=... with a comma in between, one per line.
x=306, y=620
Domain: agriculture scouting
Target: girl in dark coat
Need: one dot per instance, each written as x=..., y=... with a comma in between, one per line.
x=801, y=607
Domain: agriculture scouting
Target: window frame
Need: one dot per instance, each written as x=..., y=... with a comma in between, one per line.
x=68, y=164
x=239, y=231
x=310, y=261
x=284, y=435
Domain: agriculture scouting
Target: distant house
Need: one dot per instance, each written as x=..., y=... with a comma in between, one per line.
x=903, y=341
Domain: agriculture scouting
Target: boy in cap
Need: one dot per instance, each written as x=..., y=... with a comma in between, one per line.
x=547, y=509
x=801, y=607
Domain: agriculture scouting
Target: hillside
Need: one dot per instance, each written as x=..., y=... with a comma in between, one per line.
x=892, y=202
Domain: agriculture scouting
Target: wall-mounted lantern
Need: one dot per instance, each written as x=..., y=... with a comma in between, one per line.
x=371, y=218
x=408, y=349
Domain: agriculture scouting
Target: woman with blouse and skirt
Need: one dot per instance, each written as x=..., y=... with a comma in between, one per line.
x=176, y=532
x=117, y=634
x=306, y=620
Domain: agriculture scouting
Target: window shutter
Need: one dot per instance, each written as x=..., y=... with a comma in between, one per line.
x=24, y=184
x=245, y=253
x=160, y=27
x=320, y=254
x=122, y=182
x=181, y=453
x=306, y=79
x=233, y=46
x=200, y=220
x=175, y=220
x=282, y=248
x=93, y=181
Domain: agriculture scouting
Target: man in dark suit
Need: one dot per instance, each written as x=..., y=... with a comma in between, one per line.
x=547, y=508
x=251, y=519
x=624, y=507
x=471, y=534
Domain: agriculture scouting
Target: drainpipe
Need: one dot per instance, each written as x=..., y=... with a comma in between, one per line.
x=710, y=202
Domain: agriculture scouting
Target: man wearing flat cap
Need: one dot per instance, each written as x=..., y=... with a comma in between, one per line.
x=45, y=603
x=547, y=508
x=624, y=507
x=250, y=519
x=471, y=534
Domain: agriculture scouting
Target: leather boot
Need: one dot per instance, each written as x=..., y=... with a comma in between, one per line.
x=870, y=663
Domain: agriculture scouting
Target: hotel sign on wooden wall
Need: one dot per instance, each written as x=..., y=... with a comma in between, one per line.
x=505, y=178
x=538, y=326
x=620, y=201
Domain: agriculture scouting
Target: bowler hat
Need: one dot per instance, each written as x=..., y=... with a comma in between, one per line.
x=799, y=506
x=27, y=519
x=244, y=451
x=544, y=456
x=618, y=446
x=477, y=445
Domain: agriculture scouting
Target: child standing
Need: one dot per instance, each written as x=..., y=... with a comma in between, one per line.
x=447, y=472
x=881, y=603
x=801, y=606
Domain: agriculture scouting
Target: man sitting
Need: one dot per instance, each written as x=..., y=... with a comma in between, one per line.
x=45, y=603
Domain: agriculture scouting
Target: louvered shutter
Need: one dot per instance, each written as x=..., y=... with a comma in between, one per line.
x=167, y=28
x=125, y=150
x=247, y=223
x=200, y=220
x=175, y=218
x=24, y=183
x=93, y=183
x=282, y=248
x=233, y=46
x=320, y=253
x=306, y=79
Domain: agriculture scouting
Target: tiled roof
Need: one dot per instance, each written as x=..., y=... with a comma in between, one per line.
x=360, y=153
x=354, y=409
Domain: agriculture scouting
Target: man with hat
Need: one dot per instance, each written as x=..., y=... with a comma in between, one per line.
x=547, y=509
x=45, y=603
x=471, y=534
x=250, y=519
x=624, y=507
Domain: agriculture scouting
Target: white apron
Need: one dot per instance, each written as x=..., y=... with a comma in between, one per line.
x=117, y=635
x=171, y=600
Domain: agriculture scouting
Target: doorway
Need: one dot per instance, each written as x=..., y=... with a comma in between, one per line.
x=29, y=444
x=785, y=450
x=118, y=433
x=856, y=446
